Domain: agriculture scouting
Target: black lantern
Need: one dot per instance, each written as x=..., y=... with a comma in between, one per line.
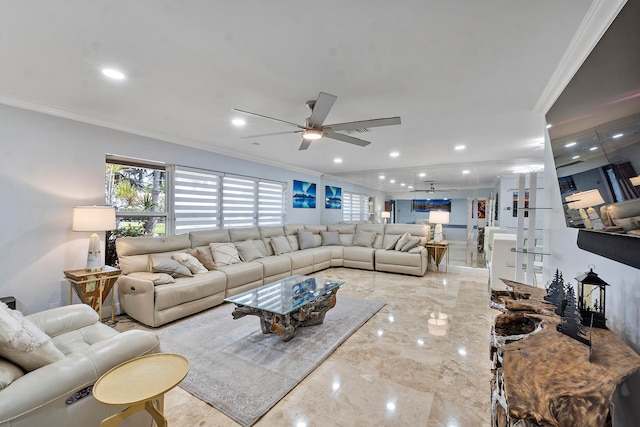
x=591, y=299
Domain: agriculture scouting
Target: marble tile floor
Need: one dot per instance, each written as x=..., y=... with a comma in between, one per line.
x=398, y=369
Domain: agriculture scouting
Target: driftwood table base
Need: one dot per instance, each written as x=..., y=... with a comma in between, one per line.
x=286, y=325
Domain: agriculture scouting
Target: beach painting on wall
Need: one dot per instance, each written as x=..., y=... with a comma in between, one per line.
x=428, y=205
x=304, y=194
x=332, y=197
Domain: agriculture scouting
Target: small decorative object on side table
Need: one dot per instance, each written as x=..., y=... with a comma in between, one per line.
x=93, y=287
x=437, y=251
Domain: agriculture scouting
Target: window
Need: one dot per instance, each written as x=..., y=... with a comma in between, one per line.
x=137, y=189
x=205, y=200
x=354, y=207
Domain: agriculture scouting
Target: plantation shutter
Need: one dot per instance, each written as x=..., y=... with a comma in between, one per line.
x=271, y=196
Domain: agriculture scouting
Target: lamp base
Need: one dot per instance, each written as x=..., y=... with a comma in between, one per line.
x=437, y=235
x=94, y=256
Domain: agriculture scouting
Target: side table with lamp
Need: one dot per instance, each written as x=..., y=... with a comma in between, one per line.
x=94, y=283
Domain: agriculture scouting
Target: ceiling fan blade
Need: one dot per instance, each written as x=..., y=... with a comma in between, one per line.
x=365, y=124
x=305, y=144
x=321, y=109
x=268, y=118
x=272, y=134
x=346, y=138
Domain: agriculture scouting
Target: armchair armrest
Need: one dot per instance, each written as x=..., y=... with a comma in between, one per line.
x=59, y=320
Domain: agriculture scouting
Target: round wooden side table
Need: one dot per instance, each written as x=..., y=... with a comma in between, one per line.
x=139, y=383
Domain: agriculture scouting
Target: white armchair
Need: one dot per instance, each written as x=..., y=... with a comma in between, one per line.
x=59, y=393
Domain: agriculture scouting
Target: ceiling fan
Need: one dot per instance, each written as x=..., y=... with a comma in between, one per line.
x=314, y=128
x=431, y=189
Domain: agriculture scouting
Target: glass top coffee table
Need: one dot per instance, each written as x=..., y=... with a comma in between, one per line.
x=287, y=304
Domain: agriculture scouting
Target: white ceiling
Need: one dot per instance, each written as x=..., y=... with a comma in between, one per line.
x=467, y=72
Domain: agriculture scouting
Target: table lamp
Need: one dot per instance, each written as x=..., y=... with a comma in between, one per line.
x=385, y=215
x=94, y=219
x=438, y=218
x=587, y=199
x=635, y=181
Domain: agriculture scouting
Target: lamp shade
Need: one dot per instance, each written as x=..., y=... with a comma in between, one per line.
x=635, y=181
x=94, y=218
x=439, y=217
x=385, y=214
x=585, y=199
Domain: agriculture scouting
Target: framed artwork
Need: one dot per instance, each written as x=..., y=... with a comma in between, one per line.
x=431, y=205
x=482, y=207
x=304, y=194
x=515, y=203
x=566, y=184
x=332, y=197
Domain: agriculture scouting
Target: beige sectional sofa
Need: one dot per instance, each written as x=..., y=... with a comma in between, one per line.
x=282, y=251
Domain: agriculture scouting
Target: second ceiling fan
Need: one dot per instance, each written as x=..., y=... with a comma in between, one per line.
x=315, y=128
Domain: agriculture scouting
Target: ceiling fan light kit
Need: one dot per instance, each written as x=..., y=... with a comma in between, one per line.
x=315, y=130
x=312, y=134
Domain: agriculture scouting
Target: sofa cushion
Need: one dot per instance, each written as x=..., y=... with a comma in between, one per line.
x=169, y=266
x=248, y=251
x=280, y=245
x=364, y=238
x=403, y=240
x=24, y=343
x=204, y=256
x=412, y=243
x=416, y=250
x=330, y=238
x=224, y=254
x=9, y=372
x=306, y=240
x=156, y=278
x=190, y=262
x=390, y=241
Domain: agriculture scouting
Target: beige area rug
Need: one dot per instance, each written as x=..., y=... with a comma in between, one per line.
x=242, y=372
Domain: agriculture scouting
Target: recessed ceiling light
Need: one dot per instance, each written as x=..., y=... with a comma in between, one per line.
x=593, y=148
x=549, y=125
x=466, y=171
x=459, y=147
x=575, y=157
x=381, y=177
x=337, y=160
x=422, y=174
x=113, y=74
x=392, y=181
x=618, y=135
x=394, y=154
x=402, y=184
x=411, y=186
x=570, y=144
x=239, y=122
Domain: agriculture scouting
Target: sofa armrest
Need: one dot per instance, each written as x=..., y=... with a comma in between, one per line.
x=134, y=285
x=59, y=320
x=61, y=379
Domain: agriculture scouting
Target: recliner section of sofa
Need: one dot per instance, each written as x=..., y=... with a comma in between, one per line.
x=155, y=305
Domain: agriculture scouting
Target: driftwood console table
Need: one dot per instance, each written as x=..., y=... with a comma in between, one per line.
x=542, y=377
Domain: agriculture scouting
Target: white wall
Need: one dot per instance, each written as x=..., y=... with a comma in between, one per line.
x=48, y=165
x=623, y=296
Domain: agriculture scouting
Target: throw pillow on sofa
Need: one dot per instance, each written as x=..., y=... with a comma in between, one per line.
x=403, y=240
x=364, y=238
x=9, y=372
x=23, y=343
x=225, y=254
x=412, y=243
x=306, y=240
x=392, y=243
x=190, y=262
x=169, y=266
x=280, y=245
x=330, y=238
x=248, y=251
x=204, y=256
